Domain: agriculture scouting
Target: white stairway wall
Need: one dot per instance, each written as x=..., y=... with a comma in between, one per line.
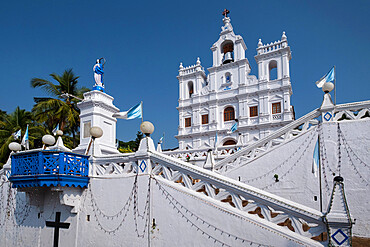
x=298, y=183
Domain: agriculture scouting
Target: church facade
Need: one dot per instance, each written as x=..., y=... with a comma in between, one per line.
x=229, y=106
x=269, y=193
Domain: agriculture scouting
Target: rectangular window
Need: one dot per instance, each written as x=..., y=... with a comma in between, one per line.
x=188, y=122
x=205, y=119
x=276, y=108
x=86, y=131
x=253, y=111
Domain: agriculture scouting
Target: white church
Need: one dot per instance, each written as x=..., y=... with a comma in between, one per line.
x=210, y=105
x=271, y=181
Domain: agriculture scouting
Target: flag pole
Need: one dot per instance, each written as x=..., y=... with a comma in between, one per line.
x=335, y=86
x=320, y=183
x=142, y=112
x=163, y=141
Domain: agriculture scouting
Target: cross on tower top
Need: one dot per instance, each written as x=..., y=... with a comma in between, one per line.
x=225, y=12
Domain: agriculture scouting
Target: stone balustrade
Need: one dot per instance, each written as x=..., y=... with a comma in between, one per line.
x=273, y=46
x=190, y=69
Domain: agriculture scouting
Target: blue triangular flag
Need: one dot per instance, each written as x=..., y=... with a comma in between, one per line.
x=234, y=127
x=17, y=134
x=25, y=142
x=56, y=129
x=329, y=77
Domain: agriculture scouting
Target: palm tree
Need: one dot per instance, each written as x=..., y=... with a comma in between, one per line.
x=56, y=109
x=11, y=123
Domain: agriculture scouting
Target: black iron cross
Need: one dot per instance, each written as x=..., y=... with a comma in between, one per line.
x=57, y=225
x=225, y=12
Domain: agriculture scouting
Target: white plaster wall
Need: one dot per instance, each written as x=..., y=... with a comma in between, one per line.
x=300, y=184
x=97, y=108
x=28, y=227
x=172, y=229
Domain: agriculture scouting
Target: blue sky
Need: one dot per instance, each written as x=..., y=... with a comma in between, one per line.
x=144, y=42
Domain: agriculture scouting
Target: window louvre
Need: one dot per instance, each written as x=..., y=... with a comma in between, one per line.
x=276, y=108
x=229, y=114
x=188, y=122
x=253, y=111
x=205, y=119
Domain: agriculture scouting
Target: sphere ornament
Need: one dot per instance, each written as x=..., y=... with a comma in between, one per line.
x=328, y=87
x=15, y=146
x=48, y=139
x=147, y=128
x=96, y=132
x=59, y=132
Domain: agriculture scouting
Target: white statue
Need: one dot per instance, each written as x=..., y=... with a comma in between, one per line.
x=98, y=74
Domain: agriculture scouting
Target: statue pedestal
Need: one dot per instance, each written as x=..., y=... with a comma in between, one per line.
x=96, y=110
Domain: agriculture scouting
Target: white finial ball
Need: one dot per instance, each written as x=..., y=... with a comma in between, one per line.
x=147, y=128
x=59, y=133
x=14, y=146
x=328, y=87
x=48, y=139
x=96, y=132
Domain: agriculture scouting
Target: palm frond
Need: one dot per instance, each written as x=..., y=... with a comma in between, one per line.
x=45, y=85
x=40, y=99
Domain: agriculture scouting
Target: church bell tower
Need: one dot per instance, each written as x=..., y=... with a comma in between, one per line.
x=228, y=106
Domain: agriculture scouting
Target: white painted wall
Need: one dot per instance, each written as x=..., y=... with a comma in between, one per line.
x=111, y=194
x=96, y=110
x=300, y=184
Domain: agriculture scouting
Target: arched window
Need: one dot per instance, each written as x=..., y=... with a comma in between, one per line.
x=229, y=142
x=227, y=77
x=273, y=70
x=190, y=88
x=229, y=114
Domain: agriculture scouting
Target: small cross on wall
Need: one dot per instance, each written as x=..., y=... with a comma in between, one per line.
x=225, y=12
x=57, y=225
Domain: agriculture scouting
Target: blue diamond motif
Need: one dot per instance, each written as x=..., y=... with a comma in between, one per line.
x=342, y=235
x=142, y=166
x=327, y=116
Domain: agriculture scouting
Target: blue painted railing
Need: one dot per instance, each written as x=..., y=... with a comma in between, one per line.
x=49, y=168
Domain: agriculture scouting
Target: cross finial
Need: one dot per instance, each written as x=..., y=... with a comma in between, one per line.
x=225, y=12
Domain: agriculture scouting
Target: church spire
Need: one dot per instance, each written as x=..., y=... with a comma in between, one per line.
x=227, y=28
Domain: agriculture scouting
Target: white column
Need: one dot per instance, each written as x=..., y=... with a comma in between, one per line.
x=215, y=55
x=286, y=101
x=279, y=68
x=260, y=70
x=285, y=65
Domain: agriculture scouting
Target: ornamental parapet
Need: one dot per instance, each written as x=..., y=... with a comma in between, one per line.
x=191, y=69
x=49, y=168
x=273, y=46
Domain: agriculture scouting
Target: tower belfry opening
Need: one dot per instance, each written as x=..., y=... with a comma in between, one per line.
x=228, y=52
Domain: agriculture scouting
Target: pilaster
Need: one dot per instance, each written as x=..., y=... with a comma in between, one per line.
x=338, y=218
